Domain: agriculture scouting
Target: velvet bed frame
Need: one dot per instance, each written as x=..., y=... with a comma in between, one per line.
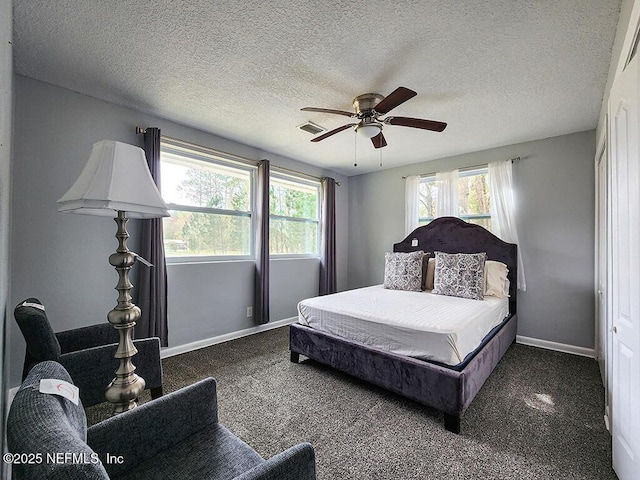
x=446, y=389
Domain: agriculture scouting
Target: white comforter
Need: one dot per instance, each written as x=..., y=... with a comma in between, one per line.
x=417, y=324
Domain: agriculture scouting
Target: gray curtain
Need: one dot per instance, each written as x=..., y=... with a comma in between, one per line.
x=152, y=282
x=262, y=244
x=328, y=283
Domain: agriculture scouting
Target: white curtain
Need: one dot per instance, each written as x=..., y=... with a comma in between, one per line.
x=447, y=200
x=411, y=192
x=503, y=209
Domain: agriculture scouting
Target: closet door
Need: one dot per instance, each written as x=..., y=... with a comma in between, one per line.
x=625, y=272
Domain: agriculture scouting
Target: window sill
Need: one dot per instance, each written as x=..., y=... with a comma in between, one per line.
x=293, y=257
x=183, y=261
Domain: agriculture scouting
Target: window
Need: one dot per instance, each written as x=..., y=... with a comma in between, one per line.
x=211, y=204
x=294, y=216
x=473, y=197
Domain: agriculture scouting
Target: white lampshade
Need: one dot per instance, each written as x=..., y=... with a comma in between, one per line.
x=115, y=178
x=369, y=130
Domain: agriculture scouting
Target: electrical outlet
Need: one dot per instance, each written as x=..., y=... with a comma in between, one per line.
x=249, y=312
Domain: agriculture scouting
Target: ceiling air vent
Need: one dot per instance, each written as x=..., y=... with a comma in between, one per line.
x=311, y=128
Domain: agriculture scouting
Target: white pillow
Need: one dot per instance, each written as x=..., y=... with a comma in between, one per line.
x=431, y=270
x=495, y=279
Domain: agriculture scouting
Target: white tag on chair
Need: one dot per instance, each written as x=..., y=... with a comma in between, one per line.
x=55, y=386
x=34, y=305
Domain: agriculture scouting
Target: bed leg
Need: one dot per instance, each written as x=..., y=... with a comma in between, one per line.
x=452, y=423
x=295, y=357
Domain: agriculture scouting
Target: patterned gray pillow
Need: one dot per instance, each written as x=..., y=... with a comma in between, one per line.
x=403, y=271
x=460, y=275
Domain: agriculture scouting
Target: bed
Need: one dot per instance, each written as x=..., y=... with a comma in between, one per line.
x=447, y=388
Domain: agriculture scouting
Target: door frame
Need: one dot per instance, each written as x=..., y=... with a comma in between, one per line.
x=601, y=261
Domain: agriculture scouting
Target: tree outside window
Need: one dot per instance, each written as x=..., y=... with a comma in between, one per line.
x=294, y=216
x=473, y=198
x=210, y=205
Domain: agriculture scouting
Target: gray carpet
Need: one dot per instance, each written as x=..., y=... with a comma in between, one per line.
x=539, y=416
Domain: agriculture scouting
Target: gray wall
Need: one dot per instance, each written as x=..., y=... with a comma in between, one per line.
x=554, y=184
x=6, y=102
x=62, y=259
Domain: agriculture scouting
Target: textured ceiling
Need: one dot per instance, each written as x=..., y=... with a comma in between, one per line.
x=497, y=71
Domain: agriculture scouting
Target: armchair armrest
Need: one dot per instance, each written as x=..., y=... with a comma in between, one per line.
x=295, y=463
x=92, y=369
x=141, y=433
x=87, y=337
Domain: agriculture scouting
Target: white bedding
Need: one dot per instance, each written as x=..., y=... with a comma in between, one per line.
x=417, y=324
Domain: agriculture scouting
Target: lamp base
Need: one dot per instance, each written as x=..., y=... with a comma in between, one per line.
x=124, y=393
x=126, y=387
x=124, y=390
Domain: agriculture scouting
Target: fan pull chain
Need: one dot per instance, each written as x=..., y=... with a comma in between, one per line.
x=355, y=149
x=380, y=156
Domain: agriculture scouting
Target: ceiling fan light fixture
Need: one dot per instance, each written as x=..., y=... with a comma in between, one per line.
x=369, y=130
x=368, y=109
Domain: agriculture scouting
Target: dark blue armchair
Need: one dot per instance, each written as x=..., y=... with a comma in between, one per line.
x=175, y=437
x=86, y=353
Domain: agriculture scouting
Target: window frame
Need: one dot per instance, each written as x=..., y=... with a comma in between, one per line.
x=291, y=177
x=201, y=154
x=467, y=172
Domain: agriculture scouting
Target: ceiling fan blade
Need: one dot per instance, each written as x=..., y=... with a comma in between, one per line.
x=333, y=132
x=395, y=98
x=327, y=110
x=379, y=141
x=416, y=123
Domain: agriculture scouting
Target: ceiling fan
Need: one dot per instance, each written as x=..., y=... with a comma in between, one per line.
x=368, y=110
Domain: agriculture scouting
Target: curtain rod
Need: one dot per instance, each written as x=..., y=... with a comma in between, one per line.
x=231, y=156
x=513, y=160
x=313, y=177
x=141, y=130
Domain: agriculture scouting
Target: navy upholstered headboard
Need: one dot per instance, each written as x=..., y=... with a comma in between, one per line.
x=452, y=235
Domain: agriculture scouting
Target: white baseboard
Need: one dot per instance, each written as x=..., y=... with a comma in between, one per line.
x=558, y=347
x=207, y=342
